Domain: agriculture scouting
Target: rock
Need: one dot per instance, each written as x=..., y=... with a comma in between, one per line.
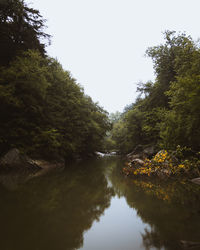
x=15, y=160
x=136, y=156
x=141, y=152
x=149, y=151
x=196, y=180
x=12, y=157
x=48, y=165
x=137, y=162
x=130, y=155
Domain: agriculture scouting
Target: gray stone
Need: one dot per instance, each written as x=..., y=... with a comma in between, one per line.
x=137, y=156
x=16, y=160
x=149, y=150
x=137, y=162
x=12, y=157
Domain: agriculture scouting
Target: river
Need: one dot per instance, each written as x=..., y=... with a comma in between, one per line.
x=92, y=206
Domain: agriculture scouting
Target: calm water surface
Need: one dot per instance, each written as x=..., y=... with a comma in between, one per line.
x=92, y=206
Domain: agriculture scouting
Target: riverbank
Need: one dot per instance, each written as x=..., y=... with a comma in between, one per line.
x=17, y=162
x=163, y=164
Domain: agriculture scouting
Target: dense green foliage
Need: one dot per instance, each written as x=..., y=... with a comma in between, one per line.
x=21, y=28
x=167, y=111
x=44, y=112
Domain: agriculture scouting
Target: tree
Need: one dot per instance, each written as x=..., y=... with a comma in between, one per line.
x=166, y=112
x=183, y=119
x=23, y=88
x=165, y=59
x=21, y=28
x=44, y=111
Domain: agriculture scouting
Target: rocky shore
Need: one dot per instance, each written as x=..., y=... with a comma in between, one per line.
x=14, y=160
x=146, y=162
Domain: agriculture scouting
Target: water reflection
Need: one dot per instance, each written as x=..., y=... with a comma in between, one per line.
x=93, y=206
x=170, y=208
x=53, y=211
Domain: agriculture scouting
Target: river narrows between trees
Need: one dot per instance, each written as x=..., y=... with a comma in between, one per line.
x=92, y=206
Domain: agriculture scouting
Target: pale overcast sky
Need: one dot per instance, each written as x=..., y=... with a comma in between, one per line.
x=103, y=42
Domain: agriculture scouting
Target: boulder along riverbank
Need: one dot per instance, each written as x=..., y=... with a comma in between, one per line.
x=162, y=164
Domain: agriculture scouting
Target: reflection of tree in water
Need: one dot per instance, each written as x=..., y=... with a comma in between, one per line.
x=115, y=176
x=152, y=238
x=171, y=221
x=172, y=209
x=52, y=212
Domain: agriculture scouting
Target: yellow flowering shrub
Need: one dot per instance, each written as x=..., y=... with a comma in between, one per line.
x=161, y=156
x=162, y=164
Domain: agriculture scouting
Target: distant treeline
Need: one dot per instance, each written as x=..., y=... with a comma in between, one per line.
x=167, y=111
x=43, y=111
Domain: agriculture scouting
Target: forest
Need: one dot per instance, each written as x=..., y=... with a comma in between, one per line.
x=44, y=111
x=73, y=176
x=166, y=113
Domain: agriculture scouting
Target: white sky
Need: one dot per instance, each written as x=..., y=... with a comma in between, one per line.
x=103, y=42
